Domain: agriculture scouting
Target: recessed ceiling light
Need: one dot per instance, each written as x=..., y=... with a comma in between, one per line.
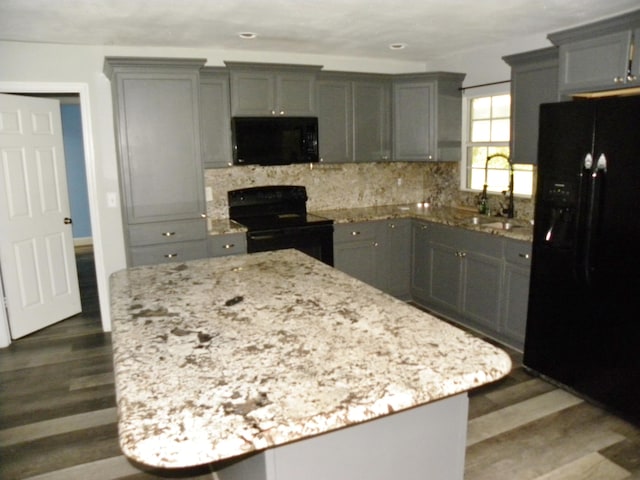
x=247, y=35
x=397, y=46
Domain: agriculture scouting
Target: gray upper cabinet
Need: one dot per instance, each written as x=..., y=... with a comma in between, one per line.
x=215, y=116
x=372, y=120
x=427, y=116
x=335, y=120
x=157, y=124
x=599, y=56
x=272, y=89
x=534, y=80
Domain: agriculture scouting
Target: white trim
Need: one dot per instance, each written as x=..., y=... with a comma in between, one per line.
x=486, y=91
x=82, y=89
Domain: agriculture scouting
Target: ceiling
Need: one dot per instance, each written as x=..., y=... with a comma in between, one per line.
x=431, y=29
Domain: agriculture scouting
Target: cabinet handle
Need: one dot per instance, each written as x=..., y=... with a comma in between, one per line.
x=355, y=234
x=423, y=227
x=461, y=254
x=392, y=225
x=229, y=245
x=375, y=244
x=618, y=79
x=168, y=234
x=171, y=255
x=631, y=78
x=203, y=215
x=281, y=112
x=524, y=255
x=273, y=112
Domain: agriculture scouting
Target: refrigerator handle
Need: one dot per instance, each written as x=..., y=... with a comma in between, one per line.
x=593, y=213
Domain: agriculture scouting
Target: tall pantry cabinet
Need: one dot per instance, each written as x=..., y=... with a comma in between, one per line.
x=157, y=127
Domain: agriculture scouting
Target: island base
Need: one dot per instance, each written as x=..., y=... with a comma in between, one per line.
x=428, y=441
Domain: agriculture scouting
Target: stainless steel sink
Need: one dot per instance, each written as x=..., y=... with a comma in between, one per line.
x=502, y=225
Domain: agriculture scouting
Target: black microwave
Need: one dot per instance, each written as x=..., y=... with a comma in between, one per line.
x=274, y=140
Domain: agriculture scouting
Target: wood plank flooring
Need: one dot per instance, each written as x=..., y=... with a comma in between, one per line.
x=58, y=416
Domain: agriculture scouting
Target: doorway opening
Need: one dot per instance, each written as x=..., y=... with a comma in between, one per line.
x=89, y=257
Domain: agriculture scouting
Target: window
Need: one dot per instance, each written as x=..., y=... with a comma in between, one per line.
x=487, y=131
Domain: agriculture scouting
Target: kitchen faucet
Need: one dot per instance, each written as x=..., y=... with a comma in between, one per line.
x=482, y=199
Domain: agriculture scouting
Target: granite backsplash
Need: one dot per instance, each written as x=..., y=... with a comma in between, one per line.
x=353, y=185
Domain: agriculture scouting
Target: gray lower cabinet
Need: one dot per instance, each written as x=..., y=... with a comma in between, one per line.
x=462, y=275
x=272, y=89
x=534, y=80
x=427, y=116
x=215, y=118
x=157, y=124
x=515, y=289
x=227, y=244
x=600, y=56
x=377, y=252
x=395, y=268
x=476, y=279
x=356, y=251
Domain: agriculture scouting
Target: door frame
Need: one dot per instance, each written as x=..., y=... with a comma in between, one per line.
x=82, y=90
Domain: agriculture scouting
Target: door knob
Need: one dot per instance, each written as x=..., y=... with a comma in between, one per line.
x=67, y=221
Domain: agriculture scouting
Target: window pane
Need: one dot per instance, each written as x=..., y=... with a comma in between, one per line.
x=481, y=108
x=500, y=130
x=481, y=131
x=501, y=106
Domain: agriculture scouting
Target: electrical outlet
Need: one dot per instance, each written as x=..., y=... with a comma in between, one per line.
x=399, y=182
x=208, y=193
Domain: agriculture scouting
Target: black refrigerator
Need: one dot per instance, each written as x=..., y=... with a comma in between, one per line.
x=583, y=324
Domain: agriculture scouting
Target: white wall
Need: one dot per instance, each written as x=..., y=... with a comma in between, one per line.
x=25, y=63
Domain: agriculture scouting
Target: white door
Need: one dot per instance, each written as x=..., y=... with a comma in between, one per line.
x=36, y=244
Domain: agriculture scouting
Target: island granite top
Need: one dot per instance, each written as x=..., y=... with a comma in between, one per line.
x=220, y=357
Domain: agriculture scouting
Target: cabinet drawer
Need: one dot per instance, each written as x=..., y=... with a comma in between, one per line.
x=167, y=232
x=174, y=252
x=223, y=245
x=517, y=252
x=349, y=232
x=466, y=240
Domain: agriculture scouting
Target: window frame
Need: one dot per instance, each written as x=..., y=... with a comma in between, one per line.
x=467, y=97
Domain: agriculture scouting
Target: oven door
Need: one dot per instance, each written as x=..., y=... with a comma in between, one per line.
x=316, y=241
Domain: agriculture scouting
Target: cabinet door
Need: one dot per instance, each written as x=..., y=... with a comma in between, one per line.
x=159, y=135
x=356, y=251
x=413, y=121
x=253, y=93
x=420, y=260
x=371, y=121
x=215, y=118
x=516, y=291
x=295, y=94
x=595, y=63
x=444, y=282
x=482, y=277
x=534, y=80
x=395, y=268
x=335, y=120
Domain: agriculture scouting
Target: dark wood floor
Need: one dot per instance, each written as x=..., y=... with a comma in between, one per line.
x=58, y=416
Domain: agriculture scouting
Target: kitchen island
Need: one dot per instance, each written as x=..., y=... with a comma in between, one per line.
x=266, y=358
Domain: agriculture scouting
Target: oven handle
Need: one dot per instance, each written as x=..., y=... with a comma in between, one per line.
x=265, y=236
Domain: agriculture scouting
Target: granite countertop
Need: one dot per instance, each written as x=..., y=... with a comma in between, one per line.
x=219, y=357
x=452, y=216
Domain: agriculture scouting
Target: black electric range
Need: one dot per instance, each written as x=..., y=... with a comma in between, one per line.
x=276, y=218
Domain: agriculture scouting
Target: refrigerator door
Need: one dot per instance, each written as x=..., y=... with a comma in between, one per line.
x=584, y=296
